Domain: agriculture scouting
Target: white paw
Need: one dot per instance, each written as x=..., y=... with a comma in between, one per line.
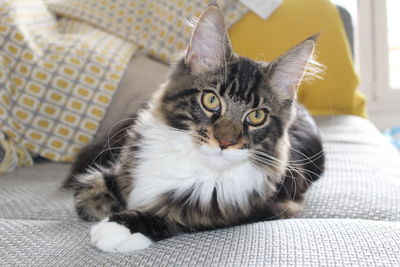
x=136, y=241
x=113, y=237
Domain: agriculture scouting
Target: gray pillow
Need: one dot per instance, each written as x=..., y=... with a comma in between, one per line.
x=141, y=78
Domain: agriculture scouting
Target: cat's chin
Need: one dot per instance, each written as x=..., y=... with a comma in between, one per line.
x=218, y=159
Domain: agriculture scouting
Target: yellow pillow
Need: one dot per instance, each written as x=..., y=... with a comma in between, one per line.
x=290, y=24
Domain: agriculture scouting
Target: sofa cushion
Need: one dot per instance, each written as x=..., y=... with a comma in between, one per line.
x=362, y=181
x=36, y=193
x=141, y=79
x=305, y=242
x=362, y=177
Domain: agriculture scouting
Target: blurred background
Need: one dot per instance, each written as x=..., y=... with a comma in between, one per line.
x=377, y=56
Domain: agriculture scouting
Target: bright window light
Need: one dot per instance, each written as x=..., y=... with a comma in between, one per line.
x=393, y=9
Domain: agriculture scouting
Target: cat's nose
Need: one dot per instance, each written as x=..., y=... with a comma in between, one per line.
x=224, y=143
x=227, y=132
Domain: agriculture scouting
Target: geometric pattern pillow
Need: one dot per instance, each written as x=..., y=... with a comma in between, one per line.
x=157, y=26
x=57, y=78
x=12, y=155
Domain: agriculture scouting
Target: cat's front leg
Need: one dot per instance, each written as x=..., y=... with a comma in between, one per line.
x=130, y=230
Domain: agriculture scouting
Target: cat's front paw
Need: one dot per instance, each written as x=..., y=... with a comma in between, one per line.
x=114, y=237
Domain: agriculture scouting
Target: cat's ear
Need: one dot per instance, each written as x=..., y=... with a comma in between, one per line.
x=287, y=71
x=209, y=44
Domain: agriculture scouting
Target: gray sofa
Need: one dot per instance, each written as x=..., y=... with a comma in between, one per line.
x=351, y=215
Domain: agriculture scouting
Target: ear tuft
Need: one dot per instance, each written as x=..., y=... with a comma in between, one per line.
x=209, y=44
x=287, y=71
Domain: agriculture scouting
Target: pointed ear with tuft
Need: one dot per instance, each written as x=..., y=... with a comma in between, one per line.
x=287, y=71
x=209, y=45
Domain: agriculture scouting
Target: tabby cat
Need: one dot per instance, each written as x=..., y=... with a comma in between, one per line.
x=221, y=143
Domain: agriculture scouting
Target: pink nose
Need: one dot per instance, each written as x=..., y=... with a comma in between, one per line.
x=225, y=143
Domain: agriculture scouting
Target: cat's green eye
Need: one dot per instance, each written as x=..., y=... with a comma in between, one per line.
x=211, y=101
x=256, y=117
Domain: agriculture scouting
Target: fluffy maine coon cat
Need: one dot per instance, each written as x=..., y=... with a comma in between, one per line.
x=223, y=142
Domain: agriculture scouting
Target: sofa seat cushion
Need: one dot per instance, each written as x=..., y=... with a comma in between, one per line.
x=36, y=193
x=351, y=216
x=305, y=242
x=362, y=177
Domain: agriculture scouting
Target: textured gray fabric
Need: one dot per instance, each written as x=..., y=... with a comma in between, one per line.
x=362, y=178
x=35, y=193
x=38, y=225
x=318, y=242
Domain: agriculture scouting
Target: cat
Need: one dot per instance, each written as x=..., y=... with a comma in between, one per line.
x=222, y=143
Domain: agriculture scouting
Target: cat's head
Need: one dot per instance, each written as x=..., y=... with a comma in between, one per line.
x=234, y=108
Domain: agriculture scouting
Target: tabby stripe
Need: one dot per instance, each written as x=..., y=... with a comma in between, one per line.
x=233, y=70
x=233, y=88
x=112, y=186
x=277, y=126
x=176, y=121
x=222, y=89
x=184, y=93
x=229, y=81
x=195, y=117
x=182, y=117
x=256, y=100
x=254, y=86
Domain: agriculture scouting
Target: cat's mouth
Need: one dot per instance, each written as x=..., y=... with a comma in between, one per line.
x=222, y=159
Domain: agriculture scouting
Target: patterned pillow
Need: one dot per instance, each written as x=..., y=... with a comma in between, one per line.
x=12, y=155
x=57, y=78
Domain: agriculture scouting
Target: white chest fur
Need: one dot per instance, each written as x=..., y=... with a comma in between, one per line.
x=169, y=162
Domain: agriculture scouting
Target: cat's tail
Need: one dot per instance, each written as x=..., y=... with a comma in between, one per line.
x=94, y=199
